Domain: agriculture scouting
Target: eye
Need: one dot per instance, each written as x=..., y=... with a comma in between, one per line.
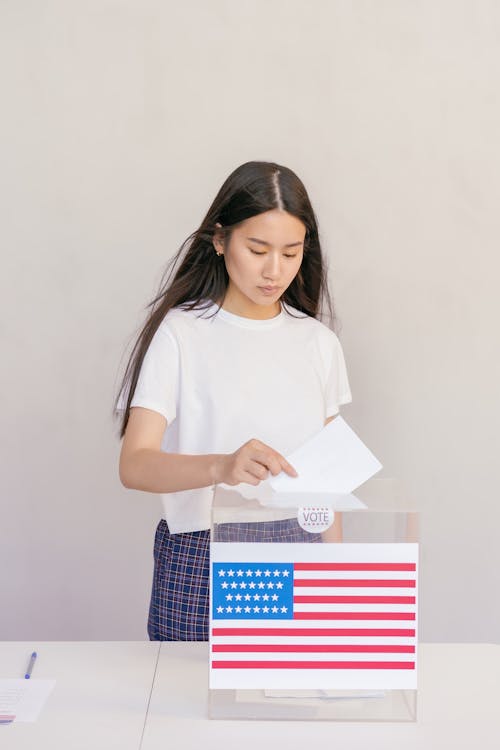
x=257, y=252
x=290, y=255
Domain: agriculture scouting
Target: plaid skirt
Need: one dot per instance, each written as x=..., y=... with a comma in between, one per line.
x=179, y=608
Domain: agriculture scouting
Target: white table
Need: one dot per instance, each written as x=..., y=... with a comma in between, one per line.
x=100, y=699
x=115, y=695
x=458, y=707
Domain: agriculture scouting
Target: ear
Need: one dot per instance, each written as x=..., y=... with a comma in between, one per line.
x=217, y=240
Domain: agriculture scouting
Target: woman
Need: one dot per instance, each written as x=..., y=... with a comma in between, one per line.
x=231, y=372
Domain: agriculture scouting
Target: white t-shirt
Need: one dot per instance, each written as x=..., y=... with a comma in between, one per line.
x=220, y=381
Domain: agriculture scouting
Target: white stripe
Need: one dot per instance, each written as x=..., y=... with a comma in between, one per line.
x=320, y=625
x=396, y=575
x=318, y=640
x=399, y=624
x=288, y=656
x=350, y=591
x=356, y=624
x=326, y=607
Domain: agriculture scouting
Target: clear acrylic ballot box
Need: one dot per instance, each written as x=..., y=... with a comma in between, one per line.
x=313, y=606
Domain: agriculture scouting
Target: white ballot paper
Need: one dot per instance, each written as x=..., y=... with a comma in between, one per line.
x=334, y=461
x=330, y=465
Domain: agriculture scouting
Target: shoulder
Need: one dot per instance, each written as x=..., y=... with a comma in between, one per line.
x=179, y=321
x=313, y=328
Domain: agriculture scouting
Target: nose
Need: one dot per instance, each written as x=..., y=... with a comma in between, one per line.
x=272, y=266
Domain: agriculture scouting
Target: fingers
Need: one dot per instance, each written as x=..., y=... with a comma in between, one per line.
x=249, y=478
x=253, y=469
x=253, y=463
x=268, y=459
x=273, y=461
x=289, y=469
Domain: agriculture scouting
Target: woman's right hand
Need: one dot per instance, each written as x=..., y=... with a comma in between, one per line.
x=251, y=464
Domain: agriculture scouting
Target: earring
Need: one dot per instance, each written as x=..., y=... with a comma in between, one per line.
x=218, y=252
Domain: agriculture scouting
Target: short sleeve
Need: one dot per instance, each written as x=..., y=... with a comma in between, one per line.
x=337, y=391
x=158, y=384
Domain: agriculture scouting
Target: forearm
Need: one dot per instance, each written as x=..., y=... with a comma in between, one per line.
x=156, y=471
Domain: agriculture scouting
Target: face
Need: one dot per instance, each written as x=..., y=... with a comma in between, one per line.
x=262, y=258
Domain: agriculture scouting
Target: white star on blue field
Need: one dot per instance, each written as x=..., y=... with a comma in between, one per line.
x=252, y=591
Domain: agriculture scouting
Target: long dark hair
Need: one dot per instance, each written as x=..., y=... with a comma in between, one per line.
x=196, y=277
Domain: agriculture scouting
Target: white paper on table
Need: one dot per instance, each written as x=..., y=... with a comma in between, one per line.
x=334, y=461
x=23, y=699
x=324, y=694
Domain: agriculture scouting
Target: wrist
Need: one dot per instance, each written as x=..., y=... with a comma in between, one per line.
x=216, y=468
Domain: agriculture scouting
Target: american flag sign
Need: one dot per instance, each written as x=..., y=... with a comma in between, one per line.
x=313, y=616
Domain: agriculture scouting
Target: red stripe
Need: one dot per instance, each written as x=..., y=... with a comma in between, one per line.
x=395, y=632
x=354, y=566
x=313, y=665
x=353, y=582
x=354, y=616
x=354, y=599
x=308, y=648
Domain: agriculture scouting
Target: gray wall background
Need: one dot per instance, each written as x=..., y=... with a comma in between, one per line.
x=119, y=121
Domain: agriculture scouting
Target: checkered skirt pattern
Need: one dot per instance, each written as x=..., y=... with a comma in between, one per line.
x=179, y=608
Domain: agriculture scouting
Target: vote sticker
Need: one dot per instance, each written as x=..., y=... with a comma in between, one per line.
x=315, y=519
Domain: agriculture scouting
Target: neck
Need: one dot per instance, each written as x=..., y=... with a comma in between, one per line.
x=245, y=308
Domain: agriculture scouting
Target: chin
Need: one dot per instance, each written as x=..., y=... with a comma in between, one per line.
x=269, y=302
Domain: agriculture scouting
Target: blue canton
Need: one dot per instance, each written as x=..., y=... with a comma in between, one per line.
x=252, y=591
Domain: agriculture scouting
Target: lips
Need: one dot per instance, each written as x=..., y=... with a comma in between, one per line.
x=269, y=289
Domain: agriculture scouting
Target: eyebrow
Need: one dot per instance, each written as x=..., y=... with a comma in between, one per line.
x=262, y=242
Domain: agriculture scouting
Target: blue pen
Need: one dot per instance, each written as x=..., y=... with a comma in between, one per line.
x=31, y=665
